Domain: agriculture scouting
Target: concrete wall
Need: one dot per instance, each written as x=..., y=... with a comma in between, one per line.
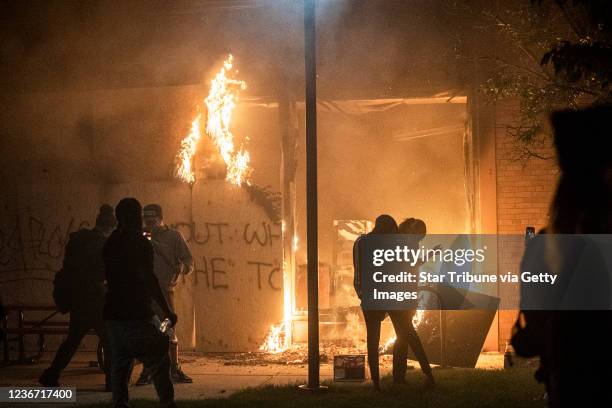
x=230, y=301
x=35, y=223
x=66, y=153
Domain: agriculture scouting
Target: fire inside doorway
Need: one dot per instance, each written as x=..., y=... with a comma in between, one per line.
x=409, y=157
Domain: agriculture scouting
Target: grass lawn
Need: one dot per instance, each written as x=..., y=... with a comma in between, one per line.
x=514, y=388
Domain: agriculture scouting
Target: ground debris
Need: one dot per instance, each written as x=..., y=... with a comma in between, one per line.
x=296, y=355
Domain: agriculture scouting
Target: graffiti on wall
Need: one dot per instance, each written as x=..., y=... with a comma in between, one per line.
x=31, y=248
x=212, y=269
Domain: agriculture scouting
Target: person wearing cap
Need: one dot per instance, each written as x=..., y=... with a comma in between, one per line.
x=84, y=269
x=172, y=258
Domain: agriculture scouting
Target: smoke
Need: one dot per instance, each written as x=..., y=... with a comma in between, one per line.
x=136, y=70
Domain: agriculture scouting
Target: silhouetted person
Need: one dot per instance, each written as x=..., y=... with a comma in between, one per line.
x=171, y=259
x=84, y=271
x=384, y=224
x=406, y=333
x=573, y=344
x=132, y=286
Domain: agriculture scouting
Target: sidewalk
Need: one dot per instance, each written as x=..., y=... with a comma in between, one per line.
x=214, y=375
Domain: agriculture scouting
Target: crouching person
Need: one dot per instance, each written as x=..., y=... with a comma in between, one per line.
x=132, y=286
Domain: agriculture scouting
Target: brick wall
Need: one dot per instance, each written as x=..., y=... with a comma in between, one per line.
x=524, y=193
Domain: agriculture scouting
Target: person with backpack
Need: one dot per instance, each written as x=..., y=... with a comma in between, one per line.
x=79, y=289
x=171, y=258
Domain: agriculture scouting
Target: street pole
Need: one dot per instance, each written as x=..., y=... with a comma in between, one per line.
x=311, y=196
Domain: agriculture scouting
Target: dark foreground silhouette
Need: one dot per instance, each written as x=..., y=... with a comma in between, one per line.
x=573, y=345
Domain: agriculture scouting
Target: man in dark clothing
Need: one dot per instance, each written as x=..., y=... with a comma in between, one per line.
x=132, y=286
x=84, y=271
x=401, y=320
x=171, y=259
x=575, y=320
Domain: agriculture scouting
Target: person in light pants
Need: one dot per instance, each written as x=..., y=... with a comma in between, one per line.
x=172, y=258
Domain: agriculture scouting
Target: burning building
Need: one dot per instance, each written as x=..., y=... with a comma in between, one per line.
x=158, y=109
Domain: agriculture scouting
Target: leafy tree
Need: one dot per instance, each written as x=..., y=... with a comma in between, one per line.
x=586, y=61
x=545, y=54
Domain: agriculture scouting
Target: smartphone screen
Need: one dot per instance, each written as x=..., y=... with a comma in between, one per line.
x=529, y=233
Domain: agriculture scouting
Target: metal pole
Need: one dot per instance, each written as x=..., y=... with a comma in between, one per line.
x=311, y=195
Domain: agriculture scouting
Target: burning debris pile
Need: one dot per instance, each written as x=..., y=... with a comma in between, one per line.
x=348, y=338
x=418, y=321
x=294, y=355
x=278, y=339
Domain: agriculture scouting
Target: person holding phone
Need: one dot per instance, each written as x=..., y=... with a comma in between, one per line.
x=171, y=259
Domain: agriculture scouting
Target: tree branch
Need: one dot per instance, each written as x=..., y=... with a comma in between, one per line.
x=517, y=66
x=570, y=21
x=518, y=42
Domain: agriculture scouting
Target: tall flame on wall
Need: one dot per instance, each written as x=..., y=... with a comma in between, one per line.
x=220, y=104
x=279, y=338
x=184, y=169
x=221, y=101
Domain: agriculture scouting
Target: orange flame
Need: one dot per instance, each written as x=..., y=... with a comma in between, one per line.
x=279, y=337
x=221, y=101
x=417, y=319
x=388, y=345
x=184, y=170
